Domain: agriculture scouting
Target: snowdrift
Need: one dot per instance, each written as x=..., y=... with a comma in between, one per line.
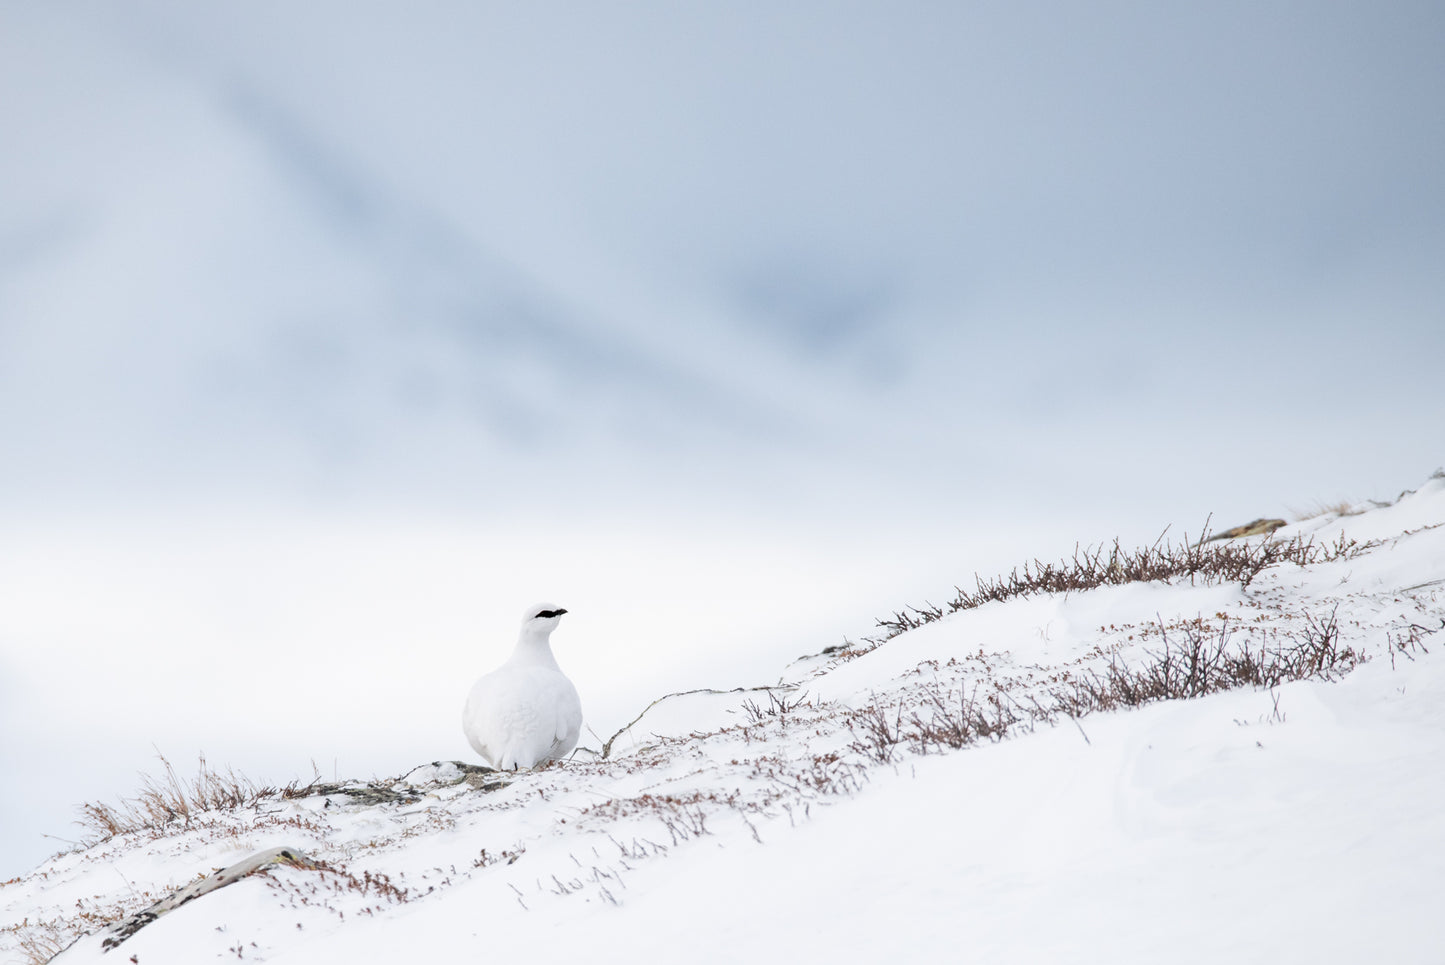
x=1236, y=755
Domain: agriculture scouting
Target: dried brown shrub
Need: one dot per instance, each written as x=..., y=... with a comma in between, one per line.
x=1201, y=562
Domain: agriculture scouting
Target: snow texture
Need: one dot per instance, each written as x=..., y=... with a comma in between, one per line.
x=1299, y=823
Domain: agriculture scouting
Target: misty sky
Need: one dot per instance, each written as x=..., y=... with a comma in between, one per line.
x=918, y=250
x=333, y=334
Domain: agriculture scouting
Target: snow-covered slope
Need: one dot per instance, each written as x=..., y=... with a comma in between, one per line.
x=828, y=818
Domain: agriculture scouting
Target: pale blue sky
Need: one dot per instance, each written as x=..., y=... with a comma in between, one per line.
x=918, y=250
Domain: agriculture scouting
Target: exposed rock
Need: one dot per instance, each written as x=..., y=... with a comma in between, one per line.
x=124, y=929
x=1258, y=527
x=408, y=789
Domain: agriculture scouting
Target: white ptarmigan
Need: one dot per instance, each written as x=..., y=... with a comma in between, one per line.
x=525, y=712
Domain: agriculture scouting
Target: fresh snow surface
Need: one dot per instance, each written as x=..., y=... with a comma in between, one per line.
x=1302, y=824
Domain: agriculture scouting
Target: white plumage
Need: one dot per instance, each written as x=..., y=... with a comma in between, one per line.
x=525, y=712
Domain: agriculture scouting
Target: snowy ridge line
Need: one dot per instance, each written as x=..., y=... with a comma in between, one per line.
x=1203, y=562
x=723, y=766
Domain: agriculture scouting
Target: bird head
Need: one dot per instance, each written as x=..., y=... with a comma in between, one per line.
x=542, y=617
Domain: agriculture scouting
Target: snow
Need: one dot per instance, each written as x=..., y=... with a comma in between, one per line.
x=1172, y=836
x=1293, y=824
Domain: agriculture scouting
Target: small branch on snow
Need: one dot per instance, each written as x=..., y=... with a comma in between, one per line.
x=607, y=747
